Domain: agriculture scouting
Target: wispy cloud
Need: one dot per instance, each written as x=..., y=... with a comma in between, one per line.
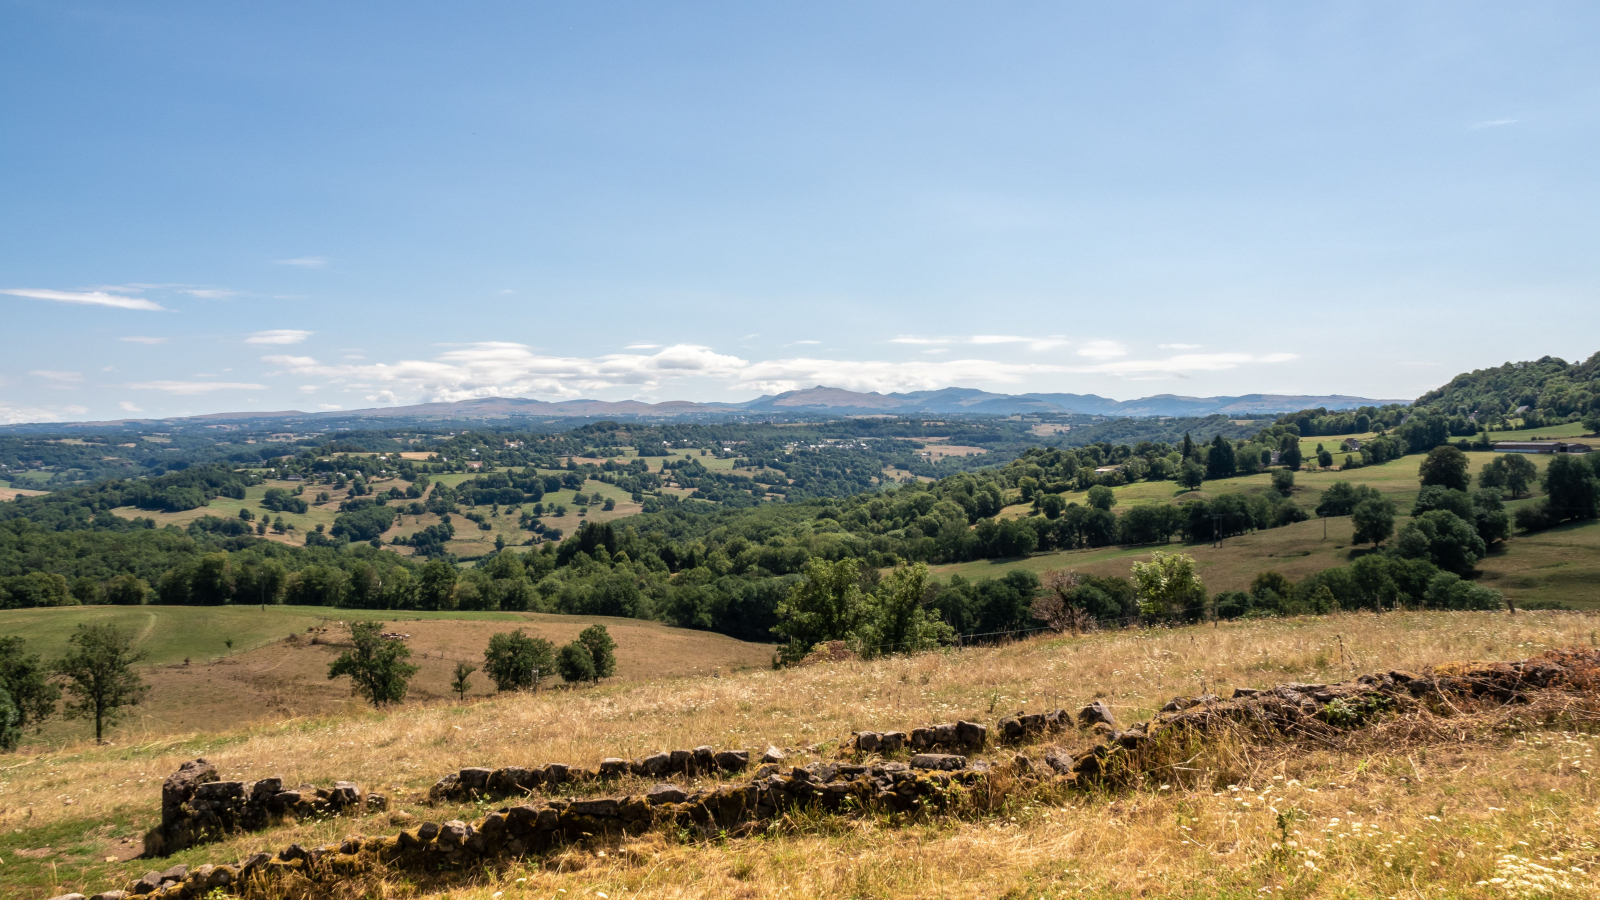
x=129, y=406
x=1103, y=350
x=54, y=375
x=1179, y=346
x=195, y=387
x=642, y=347
x=279, y=336
x=1494, y=123
x=139, y=339
x=305, y=262
x=87, y=298
x=210, y=293
x=801, y=343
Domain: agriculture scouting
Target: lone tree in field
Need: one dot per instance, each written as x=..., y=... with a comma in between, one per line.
x=1167, y=586
x=512, y=657
x=1101, y=497
x=575, y=663
x=1445, y=466
x=98, y=670
x=462, y=683
x=376, y=665
x=602, y=649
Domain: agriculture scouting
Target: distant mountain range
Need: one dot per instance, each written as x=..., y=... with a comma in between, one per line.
x=818, y=401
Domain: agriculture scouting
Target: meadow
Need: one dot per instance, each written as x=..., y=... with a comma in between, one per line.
x=277, y=666
x=1425, y=806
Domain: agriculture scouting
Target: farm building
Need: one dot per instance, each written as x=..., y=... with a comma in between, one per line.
x=1350, y=444
x=1539, y=447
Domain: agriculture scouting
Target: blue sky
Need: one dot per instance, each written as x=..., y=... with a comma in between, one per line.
x=211, y=207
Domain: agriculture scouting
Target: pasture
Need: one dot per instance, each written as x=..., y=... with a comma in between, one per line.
x=1429, y=808
x=278, y=667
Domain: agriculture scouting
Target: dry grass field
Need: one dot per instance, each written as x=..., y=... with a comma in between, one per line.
x=1480, y=805
x=278, y=668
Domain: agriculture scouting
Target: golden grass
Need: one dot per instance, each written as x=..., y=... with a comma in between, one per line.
x=1419, y=802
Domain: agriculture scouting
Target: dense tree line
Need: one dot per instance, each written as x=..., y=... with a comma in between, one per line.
x=1550, y=389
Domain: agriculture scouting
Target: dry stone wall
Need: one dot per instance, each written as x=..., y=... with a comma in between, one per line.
x=197, y=807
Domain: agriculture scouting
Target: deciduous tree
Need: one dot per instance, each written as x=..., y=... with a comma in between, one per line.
x=99, y=676
x=376, y=665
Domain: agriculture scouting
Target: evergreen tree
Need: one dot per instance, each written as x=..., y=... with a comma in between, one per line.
x=1220, y=462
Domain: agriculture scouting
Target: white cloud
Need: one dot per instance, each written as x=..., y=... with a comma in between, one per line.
x=135, y=339
x=1185, y=363
x=642, y=347
x=128, y=406
x=210, y=293
x=310, y=388
x=89, y=298
x=503, y=369
x=56, y=375
x=1179, y=346
x=798, y=343
x=195, y=387
x=1495, y=123
x=305, y=262
x=17, y=415
x=279, y=336
x=328, y=406
x=1037, y=343
x=1103, y=350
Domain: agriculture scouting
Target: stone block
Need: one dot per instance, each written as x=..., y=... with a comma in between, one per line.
x=666, y=793
x=971, y=735
x=598, y=807
x=732, y=760
x=1096, y=713
x=941, y=762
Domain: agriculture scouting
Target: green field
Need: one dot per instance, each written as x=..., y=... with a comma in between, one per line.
x=1561, y=565
x=1396, y=480
x=169, y=634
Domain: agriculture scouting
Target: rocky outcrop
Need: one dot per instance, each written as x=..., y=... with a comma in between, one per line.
x=197, y=807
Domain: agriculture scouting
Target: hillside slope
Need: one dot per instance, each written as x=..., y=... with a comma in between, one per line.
x=1409, y=807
